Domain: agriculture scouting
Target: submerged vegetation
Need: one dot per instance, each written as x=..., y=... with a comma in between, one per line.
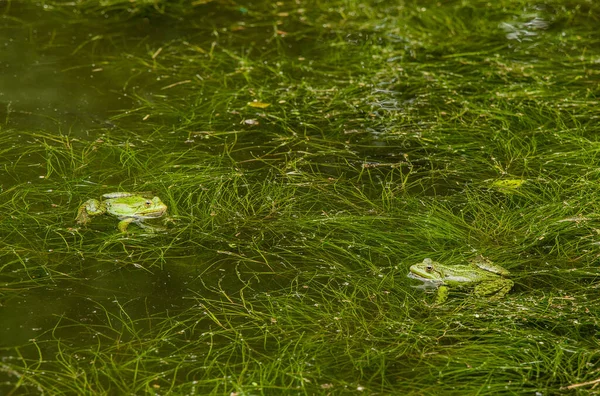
x=308, y=153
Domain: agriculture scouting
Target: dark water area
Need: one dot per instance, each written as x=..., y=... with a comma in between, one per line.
x=309, y=154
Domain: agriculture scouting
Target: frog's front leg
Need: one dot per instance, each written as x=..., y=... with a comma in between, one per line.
x=495, y=289
x=442, y=294
x=124, y=223
x=91, y=207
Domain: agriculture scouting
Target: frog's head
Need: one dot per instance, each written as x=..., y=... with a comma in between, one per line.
x=150, y=208
x=428, y=270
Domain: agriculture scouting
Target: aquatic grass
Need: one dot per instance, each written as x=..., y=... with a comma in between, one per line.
x=393, y=132
x=249, y=330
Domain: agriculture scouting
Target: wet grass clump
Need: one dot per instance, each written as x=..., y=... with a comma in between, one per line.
x=309, y=154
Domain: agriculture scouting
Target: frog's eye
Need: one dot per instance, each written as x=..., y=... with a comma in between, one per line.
x=148, y=203
x=429, y=268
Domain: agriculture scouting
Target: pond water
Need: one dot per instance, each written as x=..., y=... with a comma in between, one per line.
x=308, y=153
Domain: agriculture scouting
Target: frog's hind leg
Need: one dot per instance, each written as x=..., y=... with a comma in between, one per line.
x=91, y=207
x=82, y=215
x=494, y=290
x=507, y=284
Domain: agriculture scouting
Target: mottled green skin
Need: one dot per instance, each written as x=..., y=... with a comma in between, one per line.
x=487, y=279
x=127, y=207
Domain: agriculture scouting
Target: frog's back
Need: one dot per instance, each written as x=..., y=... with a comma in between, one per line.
x=121, y=194
x=487, y=265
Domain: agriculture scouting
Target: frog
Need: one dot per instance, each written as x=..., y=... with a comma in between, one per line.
x=487, y=279
x=127, y=207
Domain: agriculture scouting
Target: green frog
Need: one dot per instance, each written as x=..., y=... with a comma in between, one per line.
x=127, y=207
x=486, y=278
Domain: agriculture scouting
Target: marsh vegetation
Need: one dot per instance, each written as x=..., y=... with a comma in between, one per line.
x=309, y=153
